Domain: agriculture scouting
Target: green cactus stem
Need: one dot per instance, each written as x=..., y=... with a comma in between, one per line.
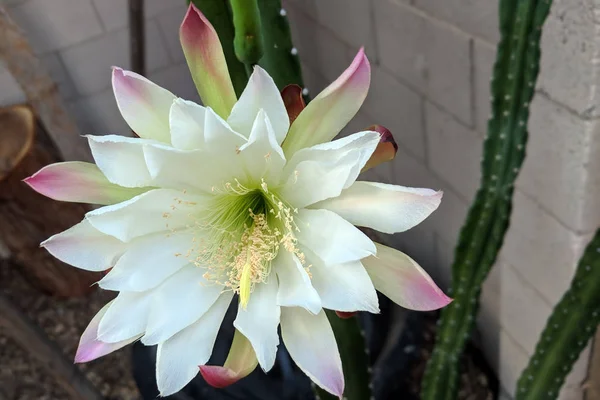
x=512, y=87
x=280, y=57
x=248, y=39
x=219, y=15
x=571, y=325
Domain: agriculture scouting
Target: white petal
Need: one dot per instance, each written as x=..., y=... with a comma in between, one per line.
x=79, y=182
x=126, y=317
x=178, y=358
x=154, y=211
x=186, y=120
x=148, y=261
x=90, y=348
x=333, y=239
x=179, y=302
x=121, y=159
x=194, y=169
x=401, y=279
x=259, y=321
x=262, y=156
x=83, y=246
x=386, y=208
x=219, y=136
x=323, y=171
x=260, y=93
x=311, y=343
x=295, y=288
x=344, y=287
x=332, y=109
x=143, y=104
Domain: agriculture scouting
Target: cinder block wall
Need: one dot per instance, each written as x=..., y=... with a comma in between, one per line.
x=432, y=63
x=79, y=40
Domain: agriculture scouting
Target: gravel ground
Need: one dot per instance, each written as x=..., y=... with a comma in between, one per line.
x=63, y=321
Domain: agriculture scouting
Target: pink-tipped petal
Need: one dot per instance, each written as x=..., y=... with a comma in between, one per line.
x=206, y=61
x=400, y=278
x=240, y=362
x=332, y=109
x=386, y=208
x=386, y=149
x=311, y=344
x=90, y=348
x=78, y=182
x=143, y=104
x=218, y=377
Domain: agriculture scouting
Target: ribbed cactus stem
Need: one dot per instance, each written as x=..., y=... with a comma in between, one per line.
x=248, y=41
x=571, y=325
x=280, y=57
x=512, y=87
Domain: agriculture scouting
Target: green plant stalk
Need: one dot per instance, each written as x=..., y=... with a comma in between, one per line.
x=279, y=58
x=219, y=15
x=248, y=40
x=512, y=87
x=571, y=325
x=355, y=359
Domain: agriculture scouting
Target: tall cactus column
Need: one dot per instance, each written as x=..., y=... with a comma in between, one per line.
x=512, y=87
x=568, y=330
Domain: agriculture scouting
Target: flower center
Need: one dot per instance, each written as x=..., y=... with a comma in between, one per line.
x=239, y=235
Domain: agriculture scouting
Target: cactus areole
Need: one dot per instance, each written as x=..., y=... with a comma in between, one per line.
x=231, y=200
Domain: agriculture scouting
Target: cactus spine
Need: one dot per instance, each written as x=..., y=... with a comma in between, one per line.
x=569, y=328
x=512, y=87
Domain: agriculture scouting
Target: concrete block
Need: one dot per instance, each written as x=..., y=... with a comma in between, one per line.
x=453, y=151
x=523, y=311
x=450, y=216
x=169, y=23
x=512, y=361
x=56, y=24
x=317, y=46
x=431, y=56
x=307, y=7
x=543, y=250
x=558, y=171
x=178, y=80
x=477, y=17
x=441, y=271
x=10, y=91
x=98, y=115
x=398, y=108
x=114, y=13
x=89, y=63
x=484, y=56
x=570, y=72
x=354, y=26
x=314, y=81
x=58, y=73
x=419, y=244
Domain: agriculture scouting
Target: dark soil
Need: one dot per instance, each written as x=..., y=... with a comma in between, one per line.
x=63, y=321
